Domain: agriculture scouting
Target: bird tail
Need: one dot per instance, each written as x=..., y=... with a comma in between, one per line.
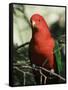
x=58, y=57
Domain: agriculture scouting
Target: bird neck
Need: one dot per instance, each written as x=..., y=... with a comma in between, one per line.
x=41, y=32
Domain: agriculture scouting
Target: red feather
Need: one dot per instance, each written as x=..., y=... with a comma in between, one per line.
x=42, y=44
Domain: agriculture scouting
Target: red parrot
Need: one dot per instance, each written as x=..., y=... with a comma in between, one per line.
x=41, y=48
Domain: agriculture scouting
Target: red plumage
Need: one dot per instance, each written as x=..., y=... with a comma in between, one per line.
x=42, y=44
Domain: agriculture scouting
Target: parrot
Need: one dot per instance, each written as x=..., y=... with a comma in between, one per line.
x=42, y=44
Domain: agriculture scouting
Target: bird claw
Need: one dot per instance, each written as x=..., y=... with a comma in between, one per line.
x=51, y=71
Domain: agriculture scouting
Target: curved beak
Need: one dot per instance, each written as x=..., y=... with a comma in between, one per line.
x=33, y=23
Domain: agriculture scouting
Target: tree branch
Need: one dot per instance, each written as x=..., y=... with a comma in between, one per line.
x=27, y=43
x=41, y=68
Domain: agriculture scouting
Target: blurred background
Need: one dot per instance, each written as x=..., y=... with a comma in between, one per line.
x=55, y=18
x=21, y=20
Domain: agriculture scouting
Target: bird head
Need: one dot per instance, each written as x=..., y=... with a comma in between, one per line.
x=37, y=22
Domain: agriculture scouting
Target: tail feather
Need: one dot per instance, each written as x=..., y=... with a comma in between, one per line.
x=58, y=57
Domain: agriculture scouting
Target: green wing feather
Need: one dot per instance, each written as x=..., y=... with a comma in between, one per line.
x=58, y=56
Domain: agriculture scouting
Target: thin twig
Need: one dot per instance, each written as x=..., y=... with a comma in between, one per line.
x=55, y=74
x=45, y=62
x=42, y=75
x=37, y=68
x=27, y=43
x=24, y=79
x=22, y=70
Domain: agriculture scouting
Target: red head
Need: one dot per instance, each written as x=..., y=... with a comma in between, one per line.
x=38, y=22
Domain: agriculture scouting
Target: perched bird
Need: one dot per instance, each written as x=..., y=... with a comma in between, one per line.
x=42, y=44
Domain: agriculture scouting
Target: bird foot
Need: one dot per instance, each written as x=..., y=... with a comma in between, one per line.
x=52, y=71
x=51, y=75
